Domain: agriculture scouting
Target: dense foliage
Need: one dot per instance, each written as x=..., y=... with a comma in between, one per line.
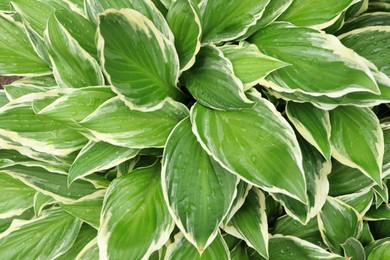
x=187, y=129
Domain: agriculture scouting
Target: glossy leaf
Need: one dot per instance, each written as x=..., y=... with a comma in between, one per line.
x=358, y=143
x=41, y=201
x=98, y=156
x=361, y=201
x=314, y=13
x=336, y=69
x=263, y=136
x=17, y=57
x=250, y=223
x=380, y=252
x=212, y=81
x=338, y=222
x=198, y=191
x=354, y=249
x=134, y=222
x=182, y=248
x=381, y=213
x=151, y=70
x=233, y=19
x=249, y=64
x=72, y=65
x=113, y=122
x=45, y=237
x=15, y=196
x=183, y=19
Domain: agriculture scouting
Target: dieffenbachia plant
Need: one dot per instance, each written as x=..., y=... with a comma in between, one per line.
x=195, y=129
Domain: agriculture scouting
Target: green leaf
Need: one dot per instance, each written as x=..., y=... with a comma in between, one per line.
x=313, y=124
x=337, y=222
x=198, y=191
x=316, y=169
x=113, y=122
x=250, y=223
x=90, y=251
x=19, y=122
x=260, y=133
x=361, y=201
x=145, y=7
x=362, y=41
x=87, y=209
x=357, y=140
x=15, y=196
x=151, y=70
x=239, y=252
x=365, y=20
x=212, y=82
x=366, y=237
x=98, y=156
x=29, y=85
x=249, y=64
x=336, y=69
x=243, y=189
x=354, y=249
x=183, y=19
x=50, y=183
x=288, y=226
x=72, y=65
x=86, y=234
x=380, y=252
x=46, y=237
x=6, y=222
x=381, y=213
x=40, y=201
x=181, y=248
x=312, y=13
x=233, y=19
x=134, y=221
x=17, y=57
x=289, y=247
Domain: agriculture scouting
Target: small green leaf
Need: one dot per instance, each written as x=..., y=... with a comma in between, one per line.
x=46, y=237
x=151, y=70
x=183, y=19
x=198, y=191
x=357, y=140
x=260, y=133
x=17, y=56
x=381, y=213
x=337, y=222
x=354, y=249
x=135, y=221
x=90, y=251
x=98, y=156
x=313, y=124
x=212, y=81
x=40, y=201
x=113, y=122
x=336, y=69
x=181, y=248
x=361, y=201
x=250, y=223
x=249, y=64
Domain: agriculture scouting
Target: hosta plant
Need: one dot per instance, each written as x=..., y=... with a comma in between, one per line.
x=187, y=129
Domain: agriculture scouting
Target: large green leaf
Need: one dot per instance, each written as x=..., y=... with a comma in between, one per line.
x=198, y=191
x=113, y=122
x=45, y=237
x=381, y=213
x=336, y=69
x=98, y=156
x=362, y=41
x=357, y=140
x=135, y=220
x=17, y=56
x=365, y=20
x=380, y=252
x=72, y=65
x=145, y=7
x=183, y=18
x=250, y=223
x=263, y=136
x=15, y=196
x=227, y=20
x=313, y=124
x=361, y=201
x=138, y=60
x=338, y=222
x=212, y=82
x=50, y=183
x=289, y=247
x=181, y=249
x=319, y=14
x=316, y=169
x=249, y=64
